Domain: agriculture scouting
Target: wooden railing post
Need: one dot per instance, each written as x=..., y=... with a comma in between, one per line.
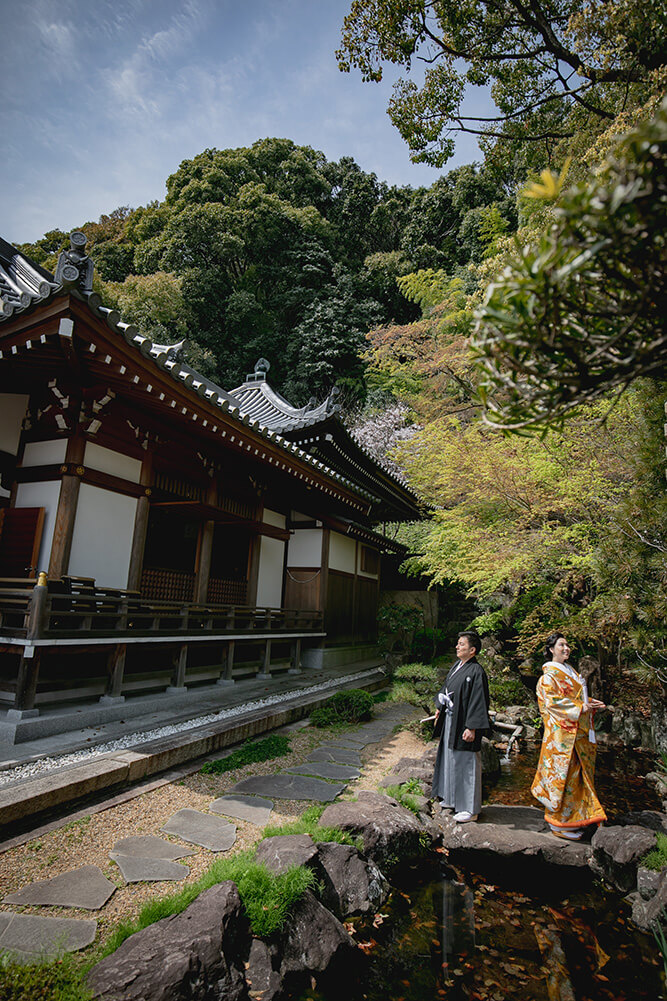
x=115, y=672
x=266, y=662
x=177, y=685
x=295, y=667
x=28, y=670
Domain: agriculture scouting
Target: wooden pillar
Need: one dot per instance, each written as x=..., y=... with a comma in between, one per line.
x=28, y=670
x=141, y=525
x=266, y=662
x=178, y=674
x=355, y=593
x=63, y=531
x=226, y=678
x=295, y=667
x=115, y=671
x=205, y=551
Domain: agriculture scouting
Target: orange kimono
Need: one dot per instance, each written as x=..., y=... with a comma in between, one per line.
x=563, y=783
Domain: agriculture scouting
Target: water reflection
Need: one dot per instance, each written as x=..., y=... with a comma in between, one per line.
x=455, y=912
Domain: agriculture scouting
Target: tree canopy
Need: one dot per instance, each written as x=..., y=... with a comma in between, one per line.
x=553, y=66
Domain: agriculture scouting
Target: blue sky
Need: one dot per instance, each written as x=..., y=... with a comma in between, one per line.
x=103, y=99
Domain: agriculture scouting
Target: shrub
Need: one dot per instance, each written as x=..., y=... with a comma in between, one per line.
x=351, y=706
x=275, y=746
x=508, y=690
x=417, y=672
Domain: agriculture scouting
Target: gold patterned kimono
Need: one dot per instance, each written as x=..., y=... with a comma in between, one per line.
x=563, y=783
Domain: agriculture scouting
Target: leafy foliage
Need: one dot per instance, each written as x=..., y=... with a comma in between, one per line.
x=273, y=746
x=350, y=706
x=584, y=309
x=551, y=67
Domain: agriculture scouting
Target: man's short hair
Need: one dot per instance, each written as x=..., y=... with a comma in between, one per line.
x=473, y=639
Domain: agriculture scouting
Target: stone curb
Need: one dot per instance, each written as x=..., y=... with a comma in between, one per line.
x=34, y=797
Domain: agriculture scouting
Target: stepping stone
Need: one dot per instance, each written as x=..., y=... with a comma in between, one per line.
x=86, y=887
x=138, y=869
x=348, y=744
x=284, y=786
x=254, y=809
x=202, y=829
x=341, y=755
x=31, y=939
x=325, y=770
x=149, y=846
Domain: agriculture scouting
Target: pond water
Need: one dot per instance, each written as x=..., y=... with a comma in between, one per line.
x=447, y=933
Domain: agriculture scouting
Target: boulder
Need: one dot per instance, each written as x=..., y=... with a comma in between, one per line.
x=407, y=775
x=517, y=715
x=647, y=882
x=262, y=976
x=654, y=820
x=659, y=718
x=490, y=758
x=350, y=883
x=616, y=854
x=389, y=832
x=315, y=943
x=198, y=954
x=628, y=726
x=646, y=913
x=280, y=853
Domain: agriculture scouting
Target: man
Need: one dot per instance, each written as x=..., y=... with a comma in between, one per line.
x=464, y=703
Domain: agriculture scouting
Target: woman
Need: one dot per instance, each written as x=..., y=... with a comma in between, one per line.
x=563, y=782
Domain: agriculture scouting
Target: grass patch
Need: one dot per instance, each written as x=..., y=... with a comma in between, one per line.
x=308, y=823
x=267, y=898
x=406, y=794
x=351, y=706
x=57, y=980
x=657, y=858
x=274, y=746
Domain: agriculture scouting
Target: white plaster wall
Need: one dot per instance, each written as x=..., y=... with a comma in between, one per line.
x=364, y=573
x=103, y=532
x=341, y=553
x=44, y=453
x=113, y=463
x=41, y=495
x=270, y=579
x=305, y=548
x=273, y=518
x=13, y=407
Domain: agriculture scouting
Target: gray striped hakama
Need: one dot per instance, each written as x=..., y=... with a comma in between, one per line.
x=457, y=776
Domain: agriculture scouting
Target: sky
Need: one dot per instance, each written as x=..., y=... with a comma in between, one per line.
x=103, y=99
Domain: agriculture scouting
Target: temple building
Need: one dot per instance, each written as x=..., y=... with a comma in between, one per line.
x=156, y=530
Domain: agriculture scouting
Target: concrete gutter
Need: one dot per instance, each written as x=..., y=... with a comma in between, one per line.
x=33, y=798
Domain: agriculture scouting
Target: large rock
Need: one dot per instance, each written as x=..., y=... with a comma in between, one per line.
x=350, y=883
x=263, y=972
x=654, y=820
x=315, y=943
x=517, y=715
x=659, y=718
x=647, y=913
x=389, y=832
x=280, y=853
x=197, y=954
x=490, y=759
x=616, y=854
x=513, y=842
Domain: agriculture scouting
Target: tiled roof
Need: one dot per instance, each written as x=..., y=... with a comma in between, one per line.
x=24, y=285
x=259, y=401
x=22, y=282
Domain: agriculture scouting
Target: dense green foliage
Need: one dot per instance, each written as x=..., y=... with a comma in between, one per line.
x=342, y=708
x=274, y=244
x=274, y=746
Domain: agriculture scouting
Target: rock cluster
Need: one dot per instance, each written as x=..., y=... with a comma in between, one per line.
x=208, y=950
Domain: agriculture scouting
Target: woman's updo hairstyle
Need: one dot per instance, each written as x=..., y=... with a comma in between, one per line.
x=551, y=643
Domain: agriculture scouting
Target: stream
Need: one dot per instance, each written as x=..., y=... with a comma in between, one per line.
x=448, y=933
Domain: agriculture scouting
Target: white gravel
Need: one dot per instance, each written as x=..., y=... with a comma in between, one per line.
x=48, y=764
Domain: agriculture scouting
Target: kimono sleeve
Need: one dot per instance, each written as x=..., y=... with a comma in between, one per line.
x=477, y=713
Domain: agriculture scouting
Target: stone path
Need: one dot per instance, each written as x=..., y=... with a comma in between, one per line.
x=321, y=778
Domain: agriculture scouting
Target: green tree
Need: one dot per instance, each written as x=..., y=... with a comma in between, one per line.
x=551, y=65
